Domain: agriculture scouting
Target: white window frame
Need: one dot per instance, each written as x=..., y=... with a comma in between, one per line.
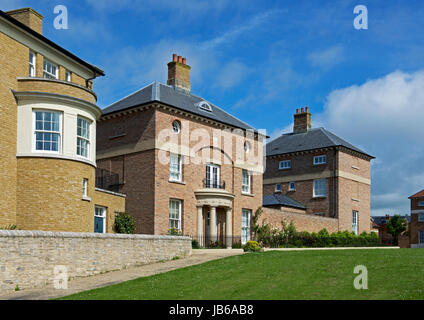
x=290, y=186
x=68, y=76
x=211, y=181
x=245, y=225
x=421, y=217
x=83, y=138
x=32, y=64
x=35, y=131
x=85, y=188
x=420, y=236
x=355, y=222
x=316, y=189
x=284, y=165
x=246, y=184
x=176, y=126
x=101, y=214
x=175, y=169
x=48, y=74
x=278, y=189
x=175, y=216
x=318, y=160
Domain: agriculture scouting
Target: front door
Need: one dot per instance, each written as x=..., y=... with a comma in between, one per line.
x=99, y=220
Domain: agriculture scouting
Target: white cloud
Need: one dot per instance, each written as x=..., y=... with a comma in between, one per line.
x=231, y=75
x=327, y=58
x=385, y=118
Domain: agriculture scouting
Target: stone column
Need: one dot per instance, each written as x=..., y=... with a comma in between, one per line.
x=200, y=226
x=229, y=228
x=212, y=225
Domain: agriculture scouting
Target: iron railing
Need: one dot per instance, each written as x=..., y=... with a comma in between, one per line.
x=213, y=184
x=107, y=180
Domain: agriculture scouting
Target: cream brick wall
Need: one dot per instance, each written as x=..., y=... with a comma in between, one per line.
x=28, y=258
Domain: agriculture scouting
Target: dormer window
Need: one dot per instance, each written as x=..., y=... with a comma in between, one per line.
x=205, y=106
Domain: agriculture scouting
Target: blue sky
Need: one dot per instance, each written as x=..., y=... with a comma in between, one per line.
x=260, y=60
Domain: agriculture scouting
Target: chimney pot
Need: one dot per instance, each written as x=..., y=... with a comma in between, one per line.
x=179, y=73
x=302, y=121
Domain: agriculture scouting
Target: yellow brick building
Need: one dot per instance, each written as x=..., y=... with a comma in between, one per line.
x=48, y=113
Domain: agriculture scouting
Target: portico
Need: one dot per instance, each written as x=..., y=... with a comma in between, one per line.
x=212, y=226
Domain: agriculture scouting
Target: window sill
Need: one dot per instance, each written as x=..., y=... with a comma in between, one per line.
x=84, y=198
x=319, y=164
x=247, y=194
x=319, y=197
x=356, y=200
x=177, y=182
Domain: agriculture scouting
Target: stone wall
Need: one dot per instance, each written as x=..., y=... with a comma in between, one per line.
x=302, y=221
x=28, y=258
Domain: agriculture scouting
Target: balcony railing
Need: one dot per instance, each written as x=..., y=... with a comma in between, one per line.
x=213, y=184
x=107, y=180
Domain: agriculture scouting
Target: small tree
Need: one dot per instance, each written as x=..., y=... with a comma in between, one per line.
x=395, y=226
x=124, y=223
x=254, y=228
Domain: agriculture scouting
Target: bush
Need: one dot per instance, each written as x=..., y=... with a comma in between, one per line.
x=124, y=223
x=174, y=232
x=236, y=245
x=195, y=244
x=9, y=227
x=251, y=246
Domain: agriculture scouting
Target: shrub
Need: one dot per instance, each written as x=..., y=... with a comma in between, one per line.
x=174, y=232
x=251, y=246
x=9, y=227
x=195, y=244
x=124, y=223
x=236, y=245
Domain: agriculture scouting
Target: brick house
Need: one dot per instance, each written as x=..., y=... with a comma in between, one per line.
x=416, y=226
x=182, y=161
x=48, y=113
x=328, y=176
x=380, y=224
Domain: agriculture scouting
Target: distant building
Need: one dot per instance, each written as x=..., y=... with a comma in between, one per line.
x=416, y=226
x=326, y=175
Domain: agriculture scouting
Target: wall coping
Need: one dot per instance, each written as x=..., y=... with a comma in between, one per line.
x=305, y=215
x=111, y=192
x=49, y=234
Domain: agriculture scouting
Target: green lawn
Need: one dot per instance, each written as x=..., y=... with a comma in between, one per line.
x=392, y=274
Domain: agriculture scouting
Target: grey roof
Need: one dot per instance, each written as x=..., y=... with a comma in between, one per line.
x=310, y=140
x=281, y=200
x=174, y=97
x=381, y=220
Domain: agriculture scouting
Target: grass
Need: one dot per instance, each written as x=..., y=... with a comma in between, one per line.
x=392, y=274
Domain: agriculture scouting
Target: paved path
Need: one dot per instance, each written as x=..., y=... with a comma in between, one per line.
x=110, y=278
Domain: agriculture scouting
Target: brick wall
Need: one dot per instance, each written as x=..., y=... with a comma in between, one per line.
x=414, y=227
x=114, y=203
x=302, y=221
x=28, y=258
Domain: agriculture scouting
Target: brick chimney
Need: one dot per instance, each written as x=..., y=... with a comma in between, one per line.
x=28, y=17
x=302, y=121
x=179, y=73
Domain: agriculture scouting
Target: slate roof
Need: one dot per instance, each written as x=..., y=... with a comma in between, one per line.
x=381, y=220
x=168, y=95
x=417, y=195
x=310, y=140
x=51, y=43
x=281, y=200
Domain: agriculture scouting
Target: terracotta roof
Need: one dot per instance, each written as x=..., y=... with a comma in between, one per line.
x=418, y=195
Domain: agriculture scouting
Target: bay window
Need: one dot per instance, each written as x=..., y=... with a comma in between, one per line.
x=83, y=137
x=47, y=131
x=50, y=70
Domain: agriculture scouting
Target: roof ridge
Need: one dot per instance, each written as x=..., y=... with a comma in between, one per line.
x=131, y=94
